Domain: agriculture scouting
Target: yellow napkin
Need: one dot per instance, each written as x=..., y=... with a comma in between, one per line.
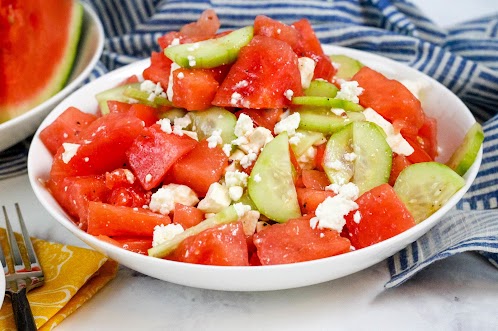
x=72, y=276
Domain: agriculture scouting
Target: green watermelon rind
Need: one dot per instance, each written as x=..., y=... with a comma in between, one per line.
x=61, y=73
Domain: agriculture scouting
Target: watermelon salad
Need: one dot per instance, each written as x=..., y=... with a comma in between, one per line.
x=251, y=147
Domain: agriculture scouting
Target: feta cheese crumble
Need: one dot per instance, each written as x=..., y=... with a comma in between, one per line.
x=216, y=199
x=163, y=233
x=181, y=123
x=289, y=124
x=306, y=69
x=215, y=139
x=288, y=94
x=163, y=201
x=165, y=125
x=235, y=99
x=70, y=150
x=236, y=181
x=241, y=209
x=331, y=212
x=395, y=140
x=349, y=91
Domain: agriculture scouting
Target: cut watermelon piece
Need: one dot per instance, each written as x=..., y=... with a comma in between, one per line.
x=39, y=43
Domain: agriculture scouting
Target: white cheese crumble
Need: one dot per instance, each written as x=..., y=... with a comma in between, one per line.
x=153, y=89
x=148, y=178
x=181, y=123
x=216, y=199
x=163, y=233
x=306, y=69
x=165, y=125
x=169, y=90
x=70, y=150
x=164, y=199
x=350, y=156
x=241, y=209
x=338, y=111
x=248, y=159
x=349, y=91
x=331, y=212
x=357, y=217
x=130, y=178
x=241, y=84
x=257, y=178
x=296, y=138
x=180, y=75
x=227, y=149
x=191, y=60
x=307, y=159
x=255, y=140
x=215, y=139
x=395, y=140
x=288, y=94
x=174, y=42
x=289, y=124
x=244, y=126
x=236, y=181
x=235, y=98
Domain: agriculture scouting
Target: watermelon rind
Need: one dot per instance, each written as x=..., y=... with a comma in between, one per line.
x=60, y=74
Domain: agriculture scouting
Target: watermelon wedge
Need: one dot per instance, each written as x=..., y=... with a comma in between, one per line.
x=38, y=46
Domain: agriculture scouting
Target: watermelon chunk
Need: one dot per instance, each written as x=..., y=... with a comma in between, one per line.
x=39, y=42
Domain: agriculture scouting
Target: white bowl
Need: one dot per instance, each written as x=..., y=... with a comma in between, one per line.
x=89, y=51
x=437, y=102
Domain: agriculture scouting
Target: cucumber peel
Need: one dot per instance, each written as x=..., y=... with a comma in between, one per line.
x=327, y=102
x=465, y=155
x=133, y=92
x=425, y=187
x=321, y=88
x=323, y=120
x=211, y=53
x=114, y=94
x=227, y=215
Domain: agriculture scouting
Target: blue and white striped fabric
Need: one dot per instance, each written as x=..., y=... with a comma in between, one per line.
x=464, y=58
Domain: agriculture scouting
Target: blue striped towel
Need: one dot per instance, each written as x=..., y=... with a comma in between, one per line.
x=463, y=57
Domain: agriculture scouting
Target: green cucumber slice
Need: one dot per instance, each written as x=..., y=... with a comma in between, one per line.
x=425, y=187
x=143, y=97
x=348, y=66
x=321, y=88
x=211, y=53
x=205, y=122
x=227, y=215
x=465, y=155
x=327, y=102
x=270, y=185
x=307, y=139
x=115, y=94
x=324, y=121
x=173, y=113
x=358, y=153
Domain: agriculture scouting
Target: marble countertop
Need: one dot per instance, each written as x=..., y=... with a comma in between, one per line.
x=458, y=293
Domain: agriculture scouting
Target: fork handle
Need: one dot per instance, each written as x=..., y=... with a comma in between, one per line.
x=22, y=311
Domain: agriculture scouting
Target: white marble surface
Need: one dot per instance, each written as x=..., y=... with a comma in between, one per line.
x=459, y=293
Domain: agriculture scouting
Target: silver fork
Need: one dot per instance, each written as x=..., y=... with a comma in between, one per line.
x=21, y=278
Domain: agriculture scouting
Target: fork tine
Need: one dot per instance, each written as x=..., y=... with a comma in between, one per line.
x=4, y=262
x=14, y=248
x=33, y=260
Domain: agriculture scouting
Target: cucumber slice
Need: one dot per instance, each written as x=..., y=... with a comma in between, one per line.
x=327, y=102
x=465, y=155
x=308, y=139
x=143, y=97
x=358, y=153
x=321, y=88
x=425, y=187
x=324, y=121
x=211, y=53
x=270, y=185
x=205, y=122
x=227, y=215
x=173, y=113
x=348, y=66
x=115, y=94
